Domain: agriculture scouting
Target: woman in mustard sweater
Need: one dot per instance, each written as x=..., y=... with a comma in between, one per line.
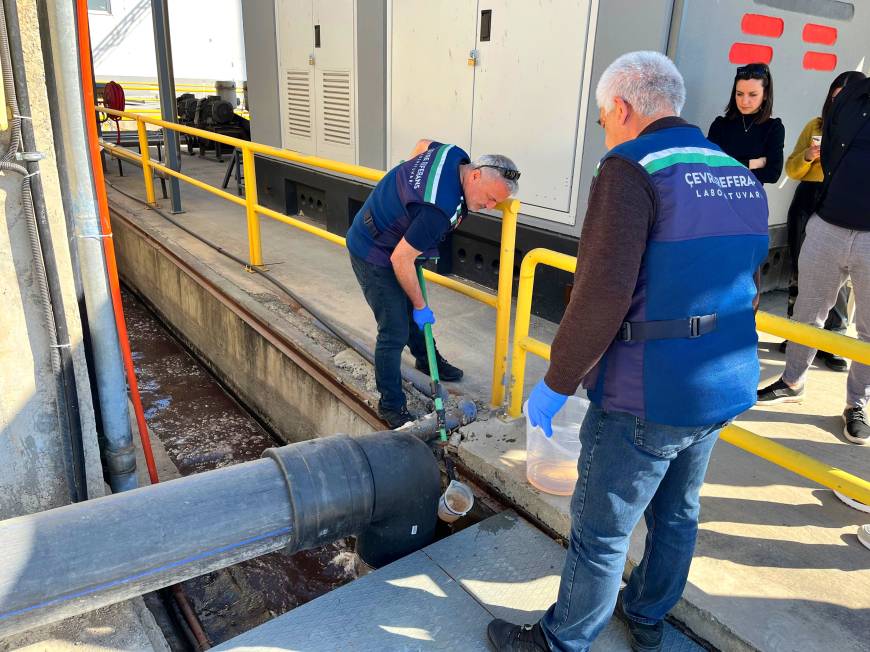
x=804, y=165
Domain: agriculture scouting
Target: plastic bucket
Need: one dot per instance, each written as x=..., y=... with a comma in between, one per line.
x=551, y=462
x=455, y=502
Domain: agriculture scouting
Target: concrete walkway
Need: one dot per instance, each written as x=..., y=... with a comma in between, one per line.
x=440, y=598
x=778, y=565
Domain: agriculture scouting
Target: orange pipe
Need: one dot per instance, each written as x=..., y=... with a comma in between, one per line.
x=106, y=228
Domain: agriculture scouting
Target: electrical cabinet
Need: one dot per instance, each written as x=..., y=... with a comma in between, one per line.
x=316, y=41
x=494, y=76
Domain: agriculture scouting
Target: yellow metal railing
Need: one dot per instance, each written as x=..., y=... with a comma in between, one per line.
x=179, y=87
x=253, y=209
x=803, y=465
x=157, y=112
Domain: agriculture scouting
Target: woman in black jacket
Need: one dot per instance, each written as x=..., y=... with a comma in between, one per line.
x=747, y=132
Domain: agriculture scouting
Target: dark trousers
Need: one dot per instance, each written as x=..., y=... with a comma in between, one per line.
x=396, y=328
x=803, y=204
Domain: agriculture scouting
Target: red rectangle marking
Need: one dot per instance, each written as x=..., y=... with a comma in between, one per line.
x=820, y=61
x=821, y=34
x=750, y=53
x=761, y=25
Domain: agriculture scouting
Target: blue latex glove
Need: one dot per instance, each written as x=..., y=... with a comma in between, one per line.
x=423, y=316
x=543, y=405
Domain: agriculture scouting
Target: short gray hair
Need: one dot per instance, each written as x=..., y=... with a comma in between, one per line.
x=498, y=161
x=647, y=80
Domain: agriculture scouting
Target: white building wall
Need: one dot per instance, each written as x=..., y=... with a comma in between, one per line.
x=207, y=41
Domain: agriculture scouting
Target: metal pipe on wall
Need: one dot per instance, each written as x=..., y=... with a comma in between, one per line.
x=80, y=557
x=166, y=84
x=62, y=362
x=80, y=203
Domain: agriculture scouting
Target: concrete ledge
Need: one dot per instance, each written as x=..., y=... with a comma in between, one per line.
x=253, y=365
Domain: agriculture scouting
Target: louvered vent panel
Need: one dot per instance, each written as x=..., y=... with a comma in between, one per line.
x=299, y=103
x=336, y=107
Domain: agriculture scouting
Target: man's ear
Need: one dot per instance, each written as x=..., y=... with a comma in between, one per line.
x=623, y=110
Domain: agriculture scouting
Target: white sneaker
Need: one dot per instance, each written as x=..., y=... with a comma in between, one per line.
x=864, y=535
x=851, y=502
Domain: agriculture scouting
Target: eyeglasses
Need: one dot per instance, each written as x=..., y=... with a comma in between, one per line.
x=507, y=173
x=753, y=71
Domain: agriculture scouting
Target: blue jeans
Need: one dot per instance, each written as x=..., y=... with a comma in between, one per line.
x=396, y=328
x=628, y=467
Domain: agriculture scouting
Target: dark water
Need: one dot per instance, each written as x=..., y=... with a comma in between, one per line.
x=203, y=428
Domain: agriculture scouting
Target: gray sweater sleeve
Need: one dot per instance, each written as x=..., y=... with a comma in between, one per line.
x=621, y=210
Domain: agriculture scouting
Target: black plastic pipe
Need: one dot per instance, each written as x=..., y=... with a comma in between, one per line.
x=382, y=487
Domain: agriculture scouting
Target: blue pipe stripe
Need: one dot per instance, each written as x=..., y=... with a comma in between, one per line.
x=159, y=569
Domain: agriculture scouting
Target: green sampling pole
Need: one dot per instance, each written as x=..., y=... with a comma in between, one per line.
x=433, y=366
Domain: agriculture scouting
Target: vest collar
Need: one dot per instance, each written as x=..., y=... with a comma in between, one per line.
x=664, y=123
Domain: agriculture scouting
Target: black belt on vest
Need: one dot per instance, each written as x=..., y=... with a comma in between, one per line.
x=668, y=329
x=369, y=221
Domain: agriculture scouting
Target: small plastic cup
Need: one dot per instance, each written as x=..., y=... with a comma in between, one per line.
x=455, y=502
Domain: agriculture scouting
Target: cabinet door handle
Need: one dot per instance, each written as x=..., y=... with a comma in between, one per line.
x=317, y=36
x=485, y=24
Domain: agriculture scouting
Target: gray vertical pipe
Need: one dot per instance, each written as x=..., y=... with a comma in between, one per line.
x=166, y=83
x=68, y=407
x=80, y=201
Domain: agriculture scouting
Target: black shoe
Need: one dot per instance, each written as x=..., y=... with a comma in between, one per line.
x=507, y=637
x=446, y=371
x=396, y=418
x=644, y=638
x=779, y=392
x=857, y=429
x=836, y=362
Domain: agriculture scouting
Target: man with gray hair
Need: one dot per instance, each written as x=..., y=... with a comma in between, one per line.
x=407, y=215
x=660, y=330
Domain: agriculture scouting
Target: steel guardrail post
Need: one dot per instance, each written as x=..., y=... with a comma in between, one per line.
x=255, y=246
x=521, y=331
x=510, y=210
x=145, y=156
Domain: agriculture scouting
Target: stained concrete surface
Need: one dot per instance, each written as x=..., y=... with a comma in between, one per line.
x=778, y=565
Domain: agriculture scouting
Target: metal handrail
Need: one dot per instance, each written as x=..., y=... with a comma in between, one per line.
x=509, y=208
x=803, y=465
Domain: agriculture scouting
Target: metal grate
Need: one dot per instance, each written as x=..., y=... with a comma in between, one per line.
x=335, y=102
x=299, y=103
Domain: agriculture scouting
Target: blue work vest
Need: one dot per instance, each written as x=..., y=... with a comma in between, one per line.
x=708, y=238
x=431, y=178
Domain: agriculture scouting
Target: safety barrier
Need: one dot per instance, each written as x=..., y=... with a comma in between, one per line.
x=798, y=463
x=157, y=112
x=509, y=209
x=179, y=87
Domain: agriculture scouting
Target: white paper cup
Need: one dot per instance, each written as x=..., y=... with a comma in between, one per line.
x=455, y=502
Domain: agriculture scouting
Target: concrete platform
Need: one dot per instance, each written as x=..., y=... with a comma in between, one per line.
x=125, y=627
x=778, y=565
x=440, y=598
